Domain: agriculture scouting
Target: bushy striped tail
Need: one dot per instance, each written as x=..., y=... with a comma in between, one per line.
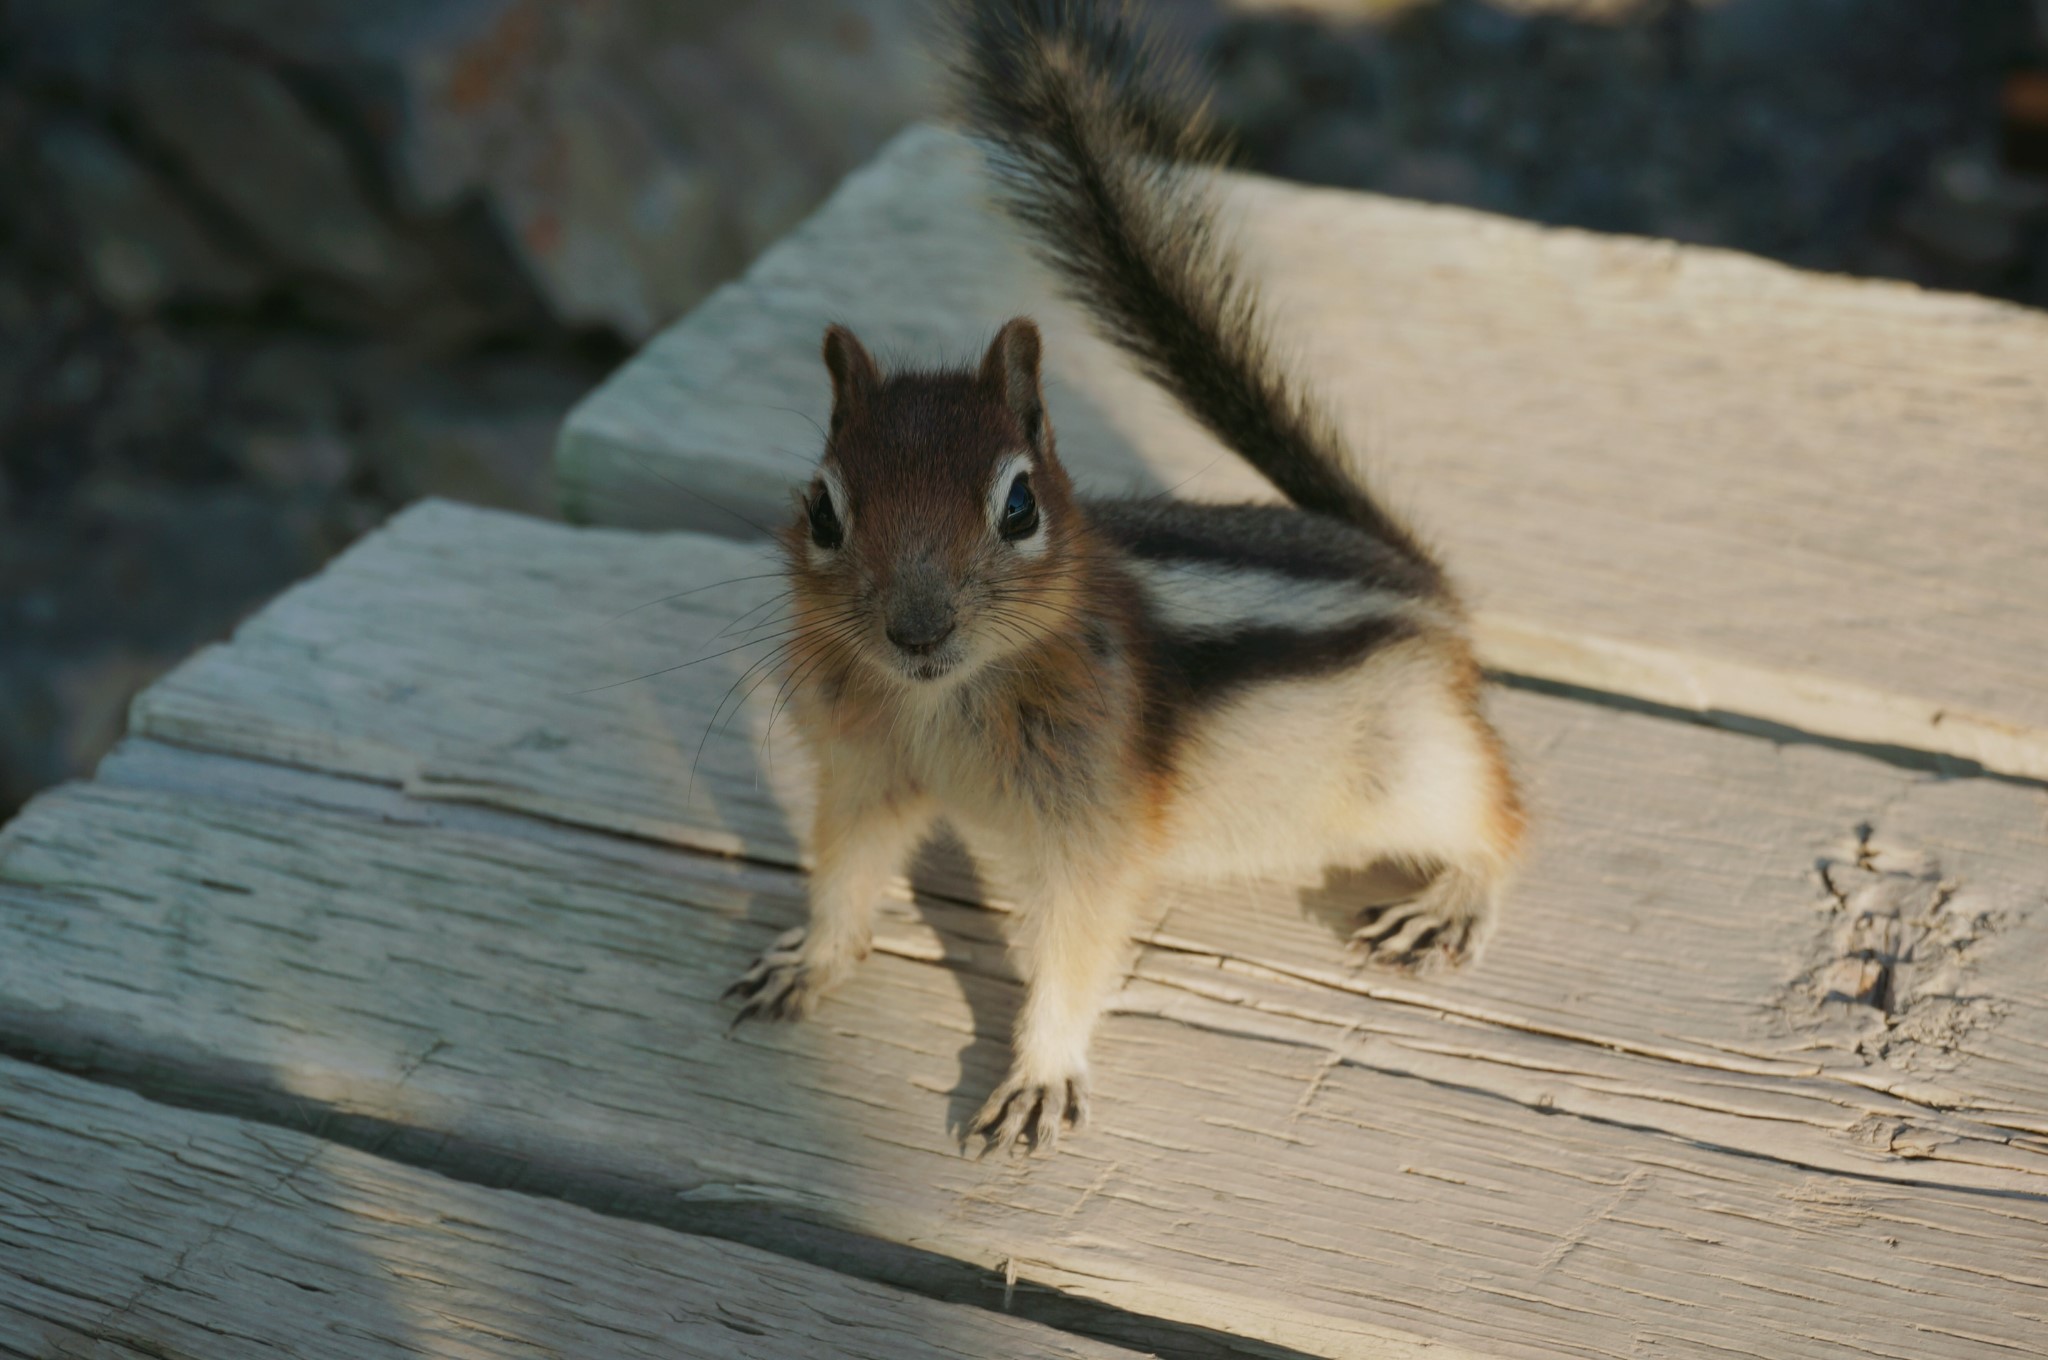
x=1100, y=145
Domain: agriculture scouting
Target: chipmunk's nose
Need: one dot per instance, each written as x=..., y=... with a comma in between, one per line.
x=920, y=606
x=920, y=632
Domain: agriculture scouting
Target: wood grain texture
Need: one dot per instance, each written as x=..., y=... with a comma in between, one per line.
x=1677, y=944
x=1298, y=1172
x=1676, y=473
x=129, y=1229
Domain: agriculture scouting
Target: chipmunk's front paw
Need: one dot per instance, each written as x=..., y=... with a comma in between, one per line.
x=785, y=983
x=1026, y=1116
x=1443, y=927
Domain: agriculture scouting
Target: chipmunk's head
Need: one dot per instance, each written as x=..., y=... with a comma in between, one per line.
x=939, y=533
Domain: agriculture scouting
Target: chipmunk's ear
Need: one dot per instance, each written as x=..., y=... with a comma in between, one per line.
x=1009, y=371
x=854, y=375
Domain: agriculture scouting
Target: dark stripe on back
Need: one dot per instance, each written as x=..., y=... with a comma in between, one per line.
x=1193, y=671
x=1278, y=538
x=1204, y=668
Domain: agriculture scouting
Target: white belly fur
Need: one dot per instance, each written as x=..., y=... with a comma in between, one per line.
x=1296, y=776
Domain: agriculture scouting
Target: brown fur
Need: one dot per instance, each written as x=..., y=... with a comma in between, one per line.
x=914, y=452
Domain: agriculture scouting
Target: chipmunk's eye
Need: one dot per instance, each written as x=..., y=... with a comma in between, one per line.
x=1020, y=511
x=826, y=530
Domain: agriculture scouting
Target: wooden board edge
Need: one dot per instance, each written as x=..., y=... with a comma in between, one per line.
x=1740, y=696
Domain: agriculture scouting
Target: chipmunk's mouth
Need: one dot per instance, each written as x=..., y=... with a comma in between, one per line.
x=924, y=645
x=926, y=668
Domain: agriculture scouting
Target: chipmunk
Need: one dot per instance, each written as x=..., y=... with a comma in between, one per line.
x=1099, y=694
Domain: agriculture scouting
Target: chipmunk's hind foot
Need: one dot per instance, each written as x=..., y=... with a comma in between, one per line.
x=1443, y=926
x=783, y=984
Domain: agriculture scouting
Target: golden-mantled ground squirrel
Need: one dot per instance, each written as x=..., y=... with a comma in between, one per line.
x=1097, y=694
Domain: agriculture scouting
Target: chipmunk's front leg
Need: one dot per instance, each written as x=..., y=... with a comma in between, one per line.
x=1072, y=940
x=863, y=835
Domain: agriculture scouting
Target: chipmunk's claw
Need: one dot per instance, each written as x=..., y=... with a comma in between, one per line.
x=1442, y=927
x=1026, y=1116
x=780, y=985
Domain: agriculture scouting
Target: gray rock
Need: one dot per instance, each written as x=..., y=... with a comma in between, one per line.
x=139, y=243
x=636, y=153
x=618, y=225
x=819, y=84
x=241, y=135
x=530, y=110
x=628, y=155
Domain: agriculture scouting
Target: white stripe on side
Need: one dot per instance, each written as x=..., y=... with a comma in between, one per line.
x=1211, y=597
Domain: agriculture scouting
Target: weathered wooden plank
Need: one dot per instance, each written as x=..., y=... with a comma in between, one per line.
x=1676, y=936
x=1283, y=1176
x=1675, y=473
x=133, y=1229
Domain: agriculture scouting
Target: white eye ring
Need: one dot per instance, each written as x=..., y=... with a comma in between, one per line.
x=999, y=498
x=828, y=478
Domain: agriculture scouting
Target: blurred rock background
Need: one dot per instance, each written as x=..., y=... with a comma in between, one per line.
x=271, y=268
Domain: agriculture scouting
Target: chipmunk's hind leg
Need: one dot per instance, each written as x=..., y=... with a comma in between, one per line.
x=1455, y=811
